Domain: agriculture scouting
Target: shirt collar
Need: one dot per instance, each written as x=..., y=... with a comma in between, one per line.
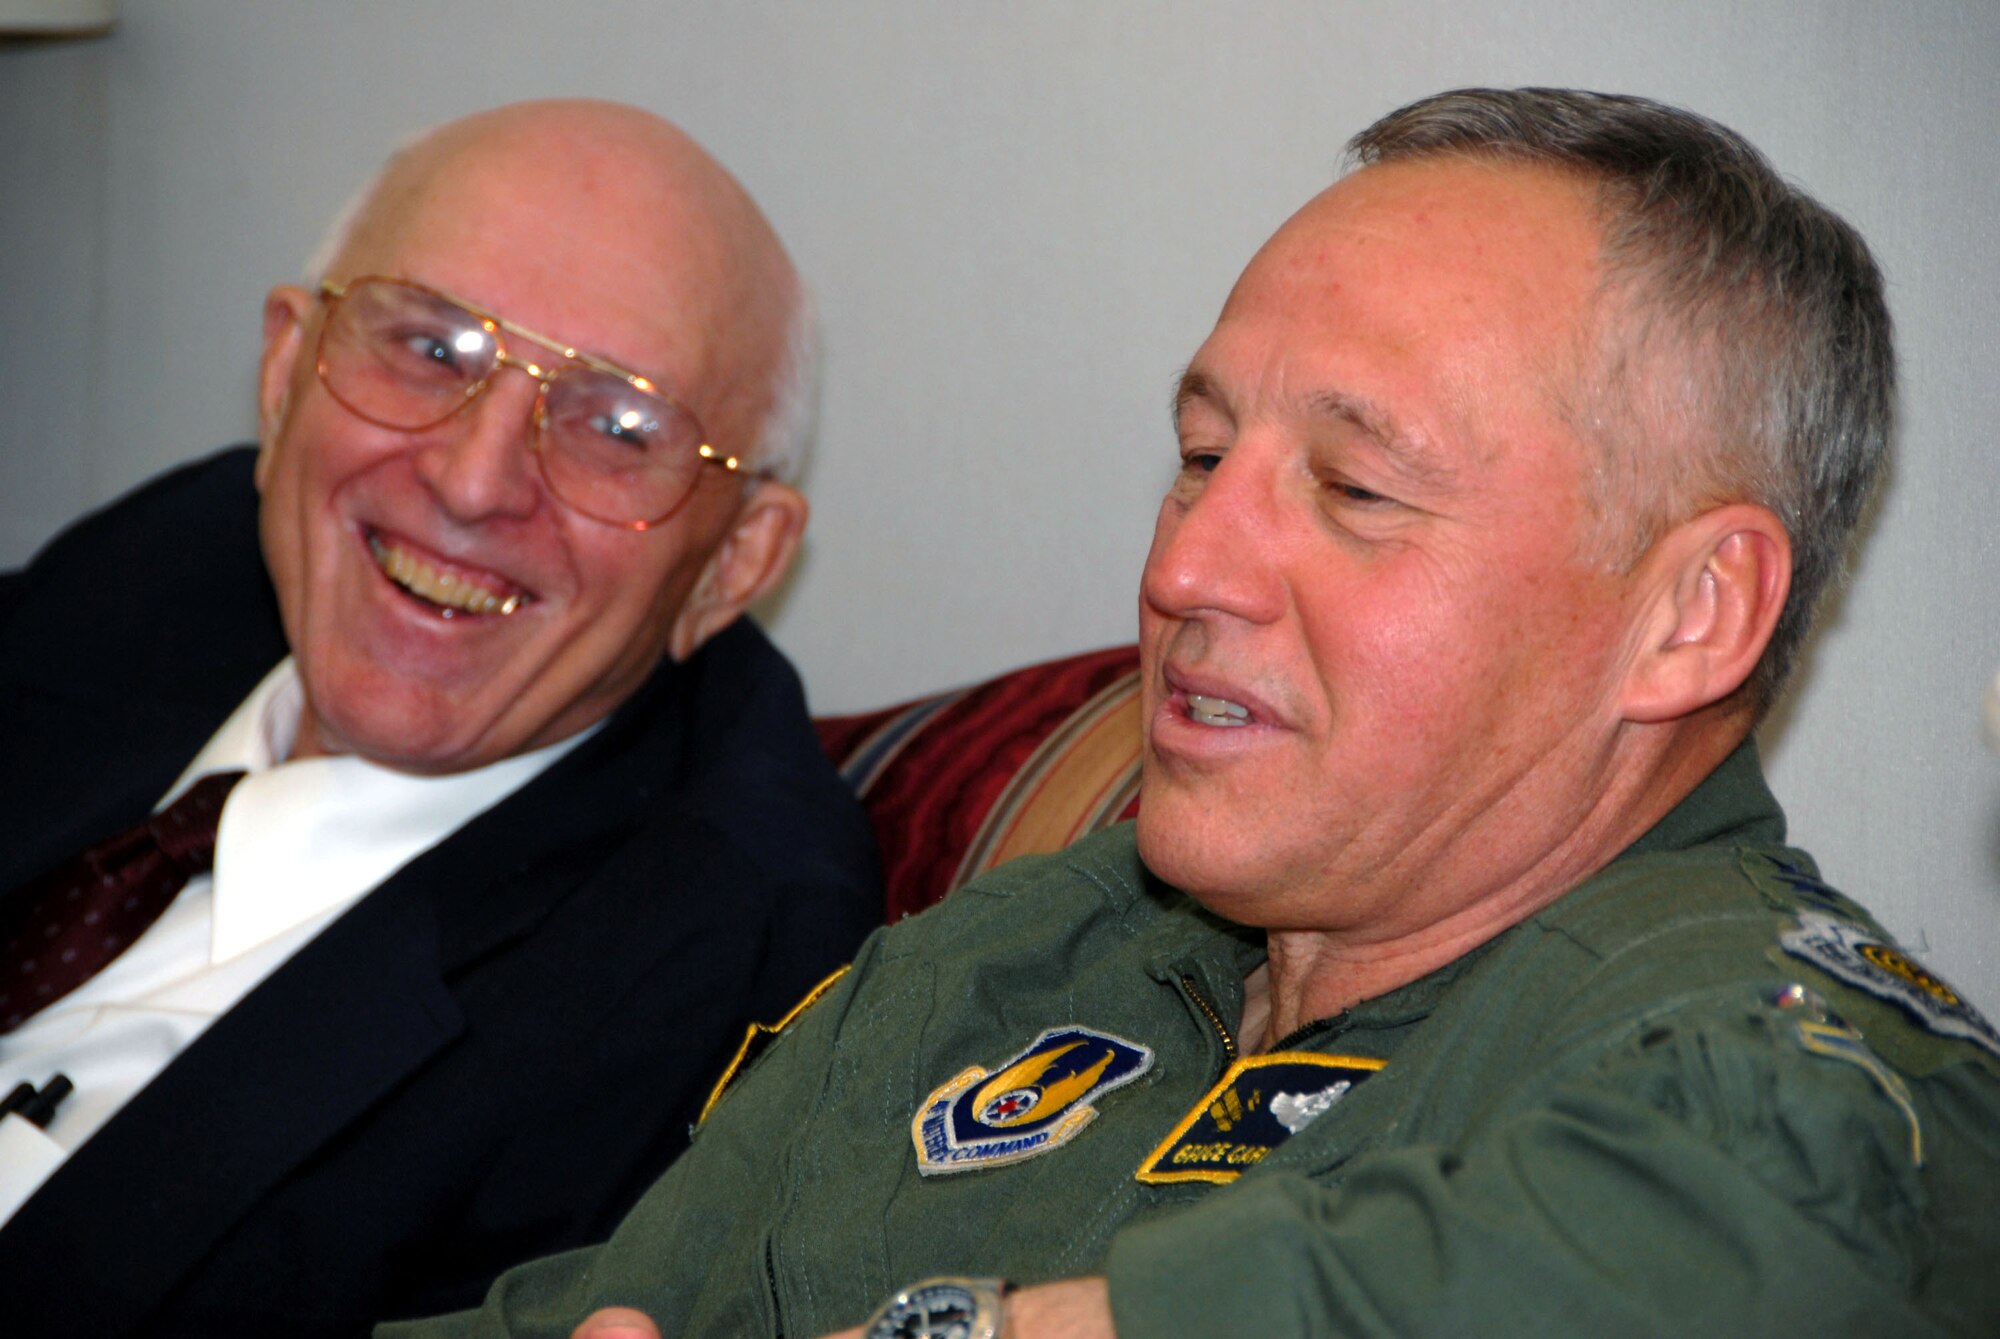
x=300, y=839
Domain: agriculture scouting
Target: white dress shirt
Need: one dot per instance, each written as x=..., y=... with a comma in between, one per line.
x=299, y=843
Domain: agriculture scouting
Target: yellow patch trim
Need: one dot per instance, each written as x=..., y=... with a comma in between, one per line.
x=1844, y=1043
x=1225, y=1105
x=760, y=1035
x=1889, y=960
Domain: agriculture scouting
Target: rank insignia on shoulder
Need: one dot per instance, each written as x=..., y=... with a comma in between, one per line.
x=1036, y=1101
x=1852, y=954
x=1837, y=1041
x=1262, y=1101
x=1802, y=885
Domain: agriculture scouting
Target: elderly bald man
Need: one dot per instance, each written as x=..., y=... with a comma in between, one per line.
x=529, y=822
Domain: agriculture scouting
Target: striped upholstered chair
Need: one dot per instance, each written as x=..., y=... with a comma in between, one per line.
x=1027, y=761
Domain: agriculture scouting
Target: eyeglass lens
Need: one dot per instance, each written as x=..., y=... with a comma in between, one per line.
x=402, y=357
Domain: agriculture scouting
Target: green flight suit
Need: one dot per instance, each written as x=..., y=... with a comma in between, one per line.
x=1637, y=1112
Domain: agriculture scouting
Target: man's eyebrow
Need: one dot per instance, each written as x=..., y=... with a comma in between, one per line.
x=1188, y=387
x=1407, y=448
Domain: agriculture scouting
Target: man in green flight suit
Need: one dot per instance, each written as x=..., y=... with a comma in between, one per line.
x=1456, y=978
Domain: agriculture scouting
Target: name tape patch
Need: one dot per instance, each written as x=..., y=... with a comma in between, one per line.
x=1262, y=1101
x=1037, y=1101
x=1847, y=952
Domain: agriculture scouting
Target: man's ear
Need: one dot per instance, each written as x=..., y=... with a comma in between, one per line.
x=749, y=561
x=1718, y=582
x=286, y=309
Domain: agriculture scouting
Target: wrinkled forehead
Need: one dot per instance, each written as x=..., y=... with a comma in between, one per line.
x=1513, y=245
x=1420, y=283
x=556, y=251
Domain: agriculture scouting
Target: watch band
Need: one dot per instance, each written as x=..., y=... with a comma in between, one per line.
x=946, y=1307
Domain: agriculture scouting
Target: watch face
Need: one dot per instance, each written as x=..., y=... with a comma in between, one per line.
x=939, y=1309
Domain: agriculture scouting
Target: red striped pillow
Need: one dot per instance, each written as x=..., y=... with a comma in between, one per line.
x=1025, y=762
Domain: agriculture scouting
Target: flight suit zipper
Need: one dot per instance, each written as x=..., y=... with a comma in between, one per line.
x=1303, y=1033
x=771, y=1279
x=1307, y=1031
x=1209, y=1011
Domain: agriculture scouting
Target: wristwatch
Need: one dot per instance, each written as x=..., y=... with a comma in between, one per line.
x=941, y=1308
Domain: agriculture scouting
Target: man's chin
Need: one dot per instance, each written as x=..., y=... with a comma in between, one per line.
x=1177, y=851
x=404, y=741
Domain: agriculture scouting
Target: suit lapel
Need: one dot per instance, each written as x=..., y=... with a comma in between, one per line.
x=331, y=1032
x=126, y=643
x=325, y=1037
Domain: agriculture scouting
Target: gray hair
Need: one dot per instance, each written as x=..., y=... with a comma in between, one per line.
x=1745, y=309
x=786, y=434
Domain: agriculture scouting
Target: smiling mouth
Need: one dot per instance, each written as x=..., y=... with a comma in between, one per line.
x=451, y=594
x=1218, y=711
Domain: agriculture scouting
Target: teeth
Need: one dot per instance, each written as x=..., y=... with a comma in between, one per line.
x=452, y=594
x=1217, y=710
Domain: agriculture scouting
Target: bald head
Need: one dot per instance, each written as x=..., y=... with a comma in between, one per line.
x=598, y=185
x=450, y=596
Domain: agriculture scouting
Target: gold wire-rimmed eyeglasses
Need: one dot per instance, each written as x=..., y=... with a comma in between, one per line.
x=610, y=444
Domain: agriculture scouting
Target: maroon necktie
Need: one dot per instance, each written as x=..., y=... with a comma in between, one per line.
x=69, y=924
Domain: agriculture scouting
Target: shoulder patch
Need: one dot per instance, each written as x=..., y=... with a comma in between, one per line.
x=1262, y=1101
x=1861, y=958
x=1034, y=1102
x=757, y=1039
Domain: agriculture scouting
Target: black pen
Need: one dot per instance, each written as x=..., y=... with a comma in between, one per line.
x=38, y=1108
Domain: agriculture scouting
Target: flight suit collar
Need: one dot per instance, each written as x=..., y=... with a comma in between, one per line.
x=1731, y=805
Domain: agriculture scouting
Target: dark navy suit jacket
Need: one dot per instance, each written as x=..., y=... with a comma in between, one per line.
x=490, y=1055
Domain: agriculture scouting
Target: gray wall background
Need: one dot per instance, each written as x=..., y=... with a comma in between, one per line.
x=1021, y=218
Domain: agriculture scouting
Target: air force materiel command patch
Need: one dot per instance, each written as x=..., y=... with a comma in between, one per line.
x=1847, y=952
x=1262, y=1101
x=1034, y=1102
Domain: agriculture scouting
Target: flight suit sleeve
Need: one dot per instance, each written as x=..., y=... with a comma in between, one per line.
x=1709, y=1177
x=692, y=1247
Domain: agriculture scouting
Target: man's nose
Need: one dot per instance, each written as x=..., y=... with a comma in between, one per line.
x=478, y=462
x=1218, y=550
